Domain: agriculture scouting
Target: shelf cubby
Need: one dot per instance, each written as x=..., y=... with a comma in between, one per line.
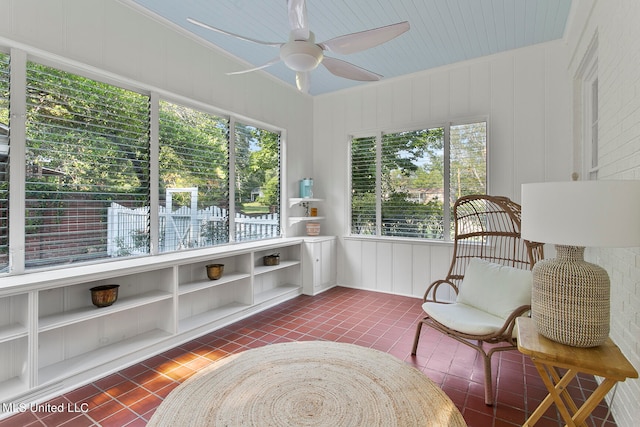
x=271, y=282
x=13, y=317
x=193, y=277
x=214, y=302
x=89, y=359
x=13, y=376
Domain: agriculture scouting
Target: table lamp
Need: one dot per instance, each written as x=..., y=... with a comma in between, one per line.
x=570, y=300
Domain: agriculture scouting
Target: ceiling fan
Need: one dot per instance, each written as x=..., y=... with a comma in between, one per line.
x=302, y=54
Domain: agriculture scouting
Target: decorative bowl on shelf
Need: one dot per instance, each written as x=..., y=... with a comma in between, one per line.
x=273, y=259
x=214, y=271
x=105, y=295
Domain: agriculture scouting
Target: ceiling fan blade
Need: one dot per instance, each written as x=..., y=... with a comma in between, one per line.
x=303, y=81
x=347, y=70
x=218, y=30
x=268, y=64
x=356, y=42
x=298, y=19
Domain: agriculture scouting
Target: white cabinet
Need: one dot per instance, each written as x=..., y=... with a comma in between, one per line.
x=53, y=339
x=319, y=267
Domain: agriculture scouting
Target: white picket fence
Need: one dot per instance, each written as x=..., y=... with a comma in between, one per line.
x=180, y=229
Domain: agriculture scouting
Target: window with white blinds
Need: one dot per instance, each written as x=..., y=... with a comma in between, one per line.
x=89, y=159
x=403, y=184
x=87, y=168
x=4, y=162
x=468, y=163
x=363, y=186
x=194, y=178
x=412, y=188
x=257, y=183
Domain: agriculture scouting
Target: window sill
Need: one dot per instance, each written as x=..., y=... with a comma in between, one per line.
x=70, y=274
x=403, y=240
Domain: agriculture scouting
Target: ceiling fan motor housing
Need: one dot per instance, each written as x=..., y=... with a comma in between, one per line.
x=301, y=55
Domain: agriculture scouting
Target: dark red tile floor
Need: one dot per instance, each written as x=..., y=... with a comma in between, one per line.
x=380, y=321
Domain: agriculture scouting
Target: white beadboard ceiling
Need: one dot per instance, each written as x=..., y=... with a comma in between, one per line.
x=442, y=31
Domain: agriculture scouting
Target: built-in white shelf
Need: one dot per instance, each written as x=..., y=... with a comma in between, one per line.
x=12, y=387
x=297, y=219
x=53, y=337
x=99, y=356
x=262, y=269
x=304, y=202
x=206, y=284
x=299, y=200
x=213, y=315
x=12, y=332
x=66, y=318
x=276, y=292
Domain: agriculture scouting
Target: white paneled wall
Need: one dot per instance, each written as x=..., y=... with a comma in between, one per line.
x=615, y=24
x=399, y=268
x=526, y=96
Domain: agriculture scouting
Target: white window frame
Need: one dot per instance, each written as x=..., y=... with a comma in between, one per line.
x=588, y=87
x=446, y=172
x=19, y=57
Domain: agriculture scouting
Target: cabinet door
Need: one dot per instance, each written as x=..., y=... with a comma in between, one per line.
x=320, y=265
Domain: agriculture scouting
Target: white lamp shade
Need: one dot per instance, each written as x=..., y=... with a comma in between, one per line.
x=603, y=213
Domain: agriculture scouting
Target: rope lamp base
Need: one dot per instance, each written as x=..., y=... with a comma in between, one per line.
x=570, y=300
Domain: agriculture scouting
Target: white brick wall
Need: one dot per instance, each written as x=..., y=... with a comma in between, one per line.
x=615, y=23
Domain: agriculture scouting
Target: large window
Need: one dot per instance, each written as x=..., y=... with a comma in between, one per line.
x=257, y=183
x=404, y=183
x=87, y=150
x=97, y=183
x=194, y=178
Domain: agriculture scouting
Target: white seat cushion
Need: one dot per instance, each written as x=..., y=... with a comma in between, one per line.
x=463, y=318
x=494, y=288
x=488, y=295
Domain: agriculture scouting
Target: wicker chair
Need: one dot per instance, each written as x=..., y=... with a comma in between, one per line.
x=488, y=228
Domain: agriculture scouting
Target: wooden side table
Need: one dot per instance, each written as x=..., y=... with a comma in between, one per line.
x=605, y=361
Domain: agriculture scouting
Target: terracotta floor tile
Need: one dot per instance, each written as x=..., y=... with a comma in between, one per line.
x=381, y=321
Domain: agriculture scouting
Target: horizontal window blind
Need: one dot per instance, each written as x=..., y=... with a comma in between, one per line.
x=87, y=158
x=363, y=185
x=257, y=183
x=412, y=185
x=4, y=162
x=194, y=178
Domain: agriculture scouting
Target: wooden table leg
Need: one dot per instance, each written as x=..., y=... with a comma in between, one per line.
x=558, y=394
x=556, y=386
x=592, y=402
x=551, y=358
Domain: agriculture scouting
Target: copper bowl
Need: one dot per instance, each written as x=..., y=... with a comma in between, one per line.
x=105, y=295
x=214, y=271
x=271, y=260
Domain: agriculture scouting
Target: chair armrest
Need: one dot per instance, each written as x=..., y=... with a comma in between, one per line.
x=433, y=288
x=510, y=322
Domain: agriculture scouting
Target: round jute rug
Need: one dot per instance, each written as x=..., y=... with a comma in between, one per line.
x=311, y=383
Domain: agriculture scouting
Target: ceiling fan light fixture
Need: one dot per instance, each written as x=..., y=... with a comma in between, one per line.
x=301, y=55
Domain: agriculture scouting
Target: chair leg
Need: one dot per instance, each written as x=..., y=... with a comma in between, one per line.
x=417, y=338
x=488, y=384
